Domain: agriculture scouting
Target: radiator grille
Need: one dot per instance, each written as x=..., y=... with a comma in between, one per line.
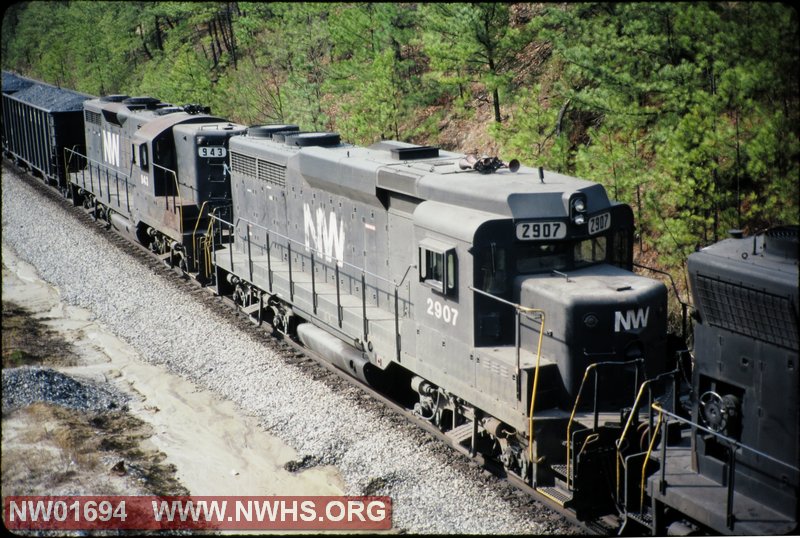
x=258, y=169
x=243, y=164
x=271, y=172
x=746, y=311
x=92, y=117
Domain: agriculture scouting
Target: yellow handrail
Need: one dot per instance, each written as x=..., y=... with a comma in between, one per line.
x=634, y=410
x=535, y=381
x=589, y=368
x=207, y=241
x=586, y=373
x=194, y=232
x=647, y=458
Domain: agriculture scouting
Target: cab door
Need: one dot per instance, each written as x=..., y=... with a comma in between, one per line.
x=437, y=311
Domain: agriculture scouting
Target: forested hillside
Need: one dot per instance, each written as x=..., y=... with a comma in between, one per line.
x=686, y=111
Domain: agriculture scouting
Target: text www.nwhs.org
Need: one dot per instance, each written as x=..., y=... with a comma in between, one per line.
x=187, y=512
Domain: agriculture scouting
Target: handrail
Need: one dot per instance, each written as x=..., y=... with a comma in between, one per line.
x=591, y=368
x=194, y=232
x=733, y=446
x=89, y=160
x=647, y=459
x=725, y=438
x=99, y=166
x=634, y=411
x=232, y=227
x=527, y=310
x=178, y=189
x=312, y=249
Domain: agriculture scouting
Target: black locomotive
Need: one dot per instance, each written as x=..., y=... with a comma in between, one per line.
x=734, y=467
x=499, y=300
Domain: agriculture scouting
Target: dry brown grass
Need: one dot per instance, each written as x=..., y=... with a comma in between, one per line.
x=27, y=340
x=49, y=449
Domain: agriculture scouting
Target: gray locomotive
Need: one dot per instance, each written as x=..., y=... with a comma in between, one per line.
x=492, y=290
x=498, y=301
x=156, y=171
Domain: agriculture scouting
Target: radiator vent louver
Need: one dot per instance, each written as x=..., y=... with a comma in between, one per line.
x=258, y=169
x=243, y=164
x=272, y=173
x=91, y=117
x=746, y=311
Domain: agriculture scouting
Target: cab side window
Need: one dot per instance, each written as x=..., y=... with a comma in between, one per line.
x=438, y=268
x=143, y=157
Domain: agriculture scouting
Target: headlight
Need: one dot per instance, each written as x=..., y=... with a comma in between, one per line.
x=577, y=210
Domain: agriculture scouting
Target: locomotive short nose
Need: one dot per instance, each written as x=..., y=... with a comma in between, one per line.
x=597, y=314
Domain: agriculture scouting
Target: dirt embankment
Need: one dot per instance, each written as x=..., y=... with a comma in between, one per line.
x=84, y=414
x=49, y=447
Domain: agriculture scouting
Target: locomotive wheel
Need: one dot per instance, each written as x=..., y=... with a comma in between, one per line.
x=77, y=195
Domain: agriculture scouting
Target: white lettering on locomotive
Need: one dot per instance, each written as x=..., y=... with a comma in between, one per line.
x=326, y=234
x=632, y=319
x=111, y=148
x=443, y=312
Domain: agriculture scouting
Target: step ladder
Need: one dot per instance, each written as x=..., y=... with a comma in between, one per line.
x=558, y=493
x=460, y=434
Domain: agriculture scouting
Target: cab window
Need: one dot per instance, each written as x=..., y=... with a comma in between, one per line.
x=143, y=157
x=492, y=270
x=438, y=268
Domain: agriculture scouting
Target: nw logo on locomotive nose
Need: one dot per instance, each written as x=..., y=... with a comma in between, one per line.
x=632, y=319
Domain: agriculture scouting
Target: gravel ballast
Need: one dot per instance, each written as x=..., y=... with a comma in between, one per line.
x=173, y=328
x=26, y=385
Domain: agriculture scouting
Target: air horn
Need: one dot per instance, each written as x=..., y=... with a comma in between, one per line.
x=486, y=164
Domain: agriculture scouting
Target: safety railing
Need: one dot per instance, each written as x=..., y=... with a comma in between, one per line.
x=177, y=207
x=645, y=389
x=100, y=175
x=314, y=256
x=733, y=447
x=196, y=247
x=593, y=368
x=531, y=314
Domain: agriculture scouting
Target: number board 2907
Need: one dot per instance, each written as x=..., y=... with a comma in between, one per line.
x=541, y=231
x=599, y=223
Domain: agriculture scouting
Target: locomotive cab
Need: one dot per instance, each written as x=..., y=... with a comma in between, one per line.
x=597, y=311
x=156, y=171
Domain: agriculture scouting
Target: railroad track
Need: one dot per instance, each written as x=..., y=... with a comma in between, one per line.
x=293, y=353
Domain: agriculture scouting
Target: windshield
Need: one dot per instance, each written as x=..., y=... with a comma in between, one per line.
x=559, y=256
x=497, y=264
